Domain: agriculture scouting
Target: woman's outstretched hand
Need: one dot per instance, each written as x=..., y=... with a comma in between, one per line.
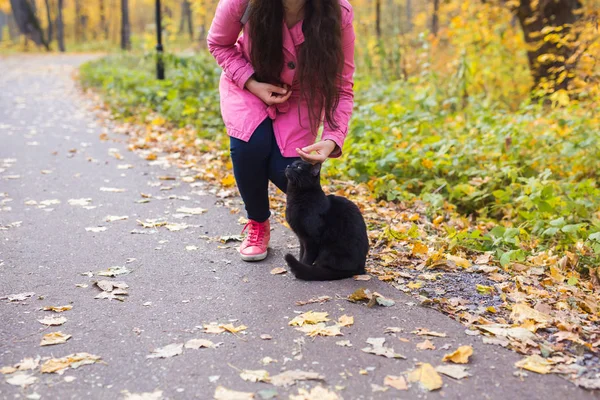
x=321, y=150
x=269, y=94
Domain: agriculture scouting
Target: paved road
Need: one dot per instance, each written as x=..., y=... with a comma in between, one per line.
x=50, y=149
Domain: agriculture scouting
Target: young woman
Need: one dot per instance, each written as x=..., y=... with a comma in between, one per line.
x=289, y=71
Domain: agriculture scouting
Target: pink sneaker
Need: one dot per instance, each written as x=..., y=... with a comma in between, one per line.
x=254, y=247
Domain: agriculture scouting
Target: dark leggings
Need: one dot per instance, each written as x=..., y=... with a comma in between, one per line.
x=255, y=163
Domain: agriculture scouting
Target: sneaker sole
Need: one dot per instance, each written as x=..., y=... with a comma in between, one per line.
x=256, y=257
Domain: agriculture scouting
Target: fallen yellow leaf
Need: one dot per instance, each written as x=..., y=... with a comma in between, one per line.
x=397, y=382
x=309, y=317
x=258, y=375
x=321, y=330
x=419, y=248
x=233, y=329
x=228, y=180
x=535, y=363
x=54, y=338
x=346, y=320
x=415, y=285
x=427, y=377
x=522, y=312
x=459, y=261
x=460, y=356
x=58, y=309
x=58, y=365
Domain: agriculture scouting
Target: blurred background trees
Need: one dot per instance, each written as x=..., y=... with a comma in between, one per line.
x=544, y=45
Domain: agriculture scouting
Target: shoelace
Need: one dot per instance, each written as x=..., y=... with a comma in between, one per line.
x=256, y=231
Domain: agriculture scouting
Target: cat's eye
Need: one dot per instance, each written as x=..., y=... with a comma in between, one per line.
x=299, y=166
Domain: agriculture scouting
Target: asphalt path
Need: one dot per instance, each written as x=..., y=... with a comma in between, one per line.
x=180, y=280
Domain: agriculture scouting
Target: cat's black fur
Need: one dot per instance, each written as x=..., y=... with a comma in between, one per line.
x=332, y=232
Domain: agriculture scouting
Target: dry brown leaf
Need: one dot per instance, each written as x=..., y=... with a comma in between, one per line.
x=54, y=338
x=156, y=395
x=289, y=378
x=192, y=211
x=233, y=329
x=460, y=356
x=52, y=320
x=459, y=261
x=379, y=349
x=426, y=345
x=453, y=371
x=176, y=227
x=18, y=296
x=427, y=332
x=257, y=375
x=114, y=218
x=521, y=312
x=535, y=363
x=320, y=329
x=362, y=277
x=320, y=299
x=278, y=271
x=27, y=364
x=316, y=393
x=168, y=351
x=427, y=377
x=397, y=382
x=213, y=328
x=309, y=317
x=196, y=344
x=7, y=370
x=59, y=365
x=58, y=309
x=346, y=320
x=222, y=393
x=22, y=379
x=361, y=294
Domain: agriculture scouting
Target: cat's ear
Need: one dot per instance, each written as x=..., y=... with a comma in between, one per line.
x=315, y=169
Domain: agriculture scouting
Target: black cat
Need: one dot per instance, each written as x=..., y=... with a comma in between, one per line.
x=331, y=229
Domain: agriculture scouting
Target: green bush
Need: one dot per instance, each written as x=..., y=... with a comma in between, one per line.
x=532, y=173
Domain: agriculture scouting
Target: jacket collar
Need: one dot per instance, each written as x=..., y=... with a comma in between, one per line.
x=292, y=37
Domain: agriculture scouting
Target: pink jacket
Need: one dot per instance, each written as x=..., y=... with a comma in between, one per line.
x=242, y=111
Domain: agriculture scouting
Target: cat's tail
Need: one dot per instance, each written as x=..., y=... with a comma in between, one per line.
x=314, y=272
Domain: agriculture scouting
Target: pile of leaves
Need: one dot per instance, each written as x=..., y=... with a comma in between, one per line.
x=491, y=217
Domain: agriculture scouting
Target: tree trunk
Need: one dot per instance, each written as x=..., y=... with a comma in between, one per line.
x=27, y=22
x=60, y=27
x=77, y=22
x=13, y=31
x=49, y=19
x=189, y=20
x=409, y=15
x=125, y=26
x=550, y=61
x=378, y=19
x=2, y=23
x=435, y=23
x=103, y=22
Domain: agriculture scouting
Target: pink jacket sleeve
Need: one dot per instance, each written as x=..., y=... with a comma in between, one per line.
x=222, y=38
x=343, y=112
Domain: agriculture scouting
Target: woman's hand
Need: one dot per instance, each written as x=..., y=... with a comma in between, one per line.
x=269, y=94
x=322, y=150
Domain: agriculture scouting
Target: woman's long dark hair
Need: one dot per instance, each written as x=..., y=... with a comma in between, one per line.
x=320, y=60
